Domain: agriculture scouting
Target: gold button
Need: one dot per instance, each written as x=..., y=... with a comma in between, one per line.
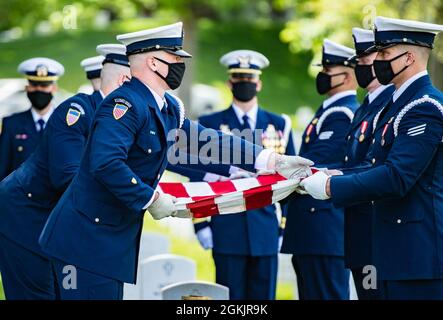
x=398, y=221
x=349, y=137
x=149, y=150
x=373, y=160
x=134, y=181
x=346, y=158
x=29, y=195
x=312, y=209
x=97, y=220
x=20, y=149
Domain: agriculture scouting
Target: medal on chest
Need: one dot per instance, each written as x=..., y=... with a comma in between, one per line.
x=385, y=129
x=310, y=129
x=273, y=139
x=363, y=128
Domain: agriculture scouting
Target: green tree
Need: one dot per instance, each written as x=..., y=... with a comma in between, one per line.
x=315, y=20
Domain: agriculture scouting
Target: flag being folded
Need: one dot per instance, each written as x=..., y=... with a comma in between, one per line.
x=205, y=199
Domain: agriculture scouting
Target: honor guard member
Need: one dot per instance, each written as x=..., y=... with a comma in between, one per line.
x=245, y=246
x=30, y=193
x=314, y=229
x=98, y=231
x=359, y=219
x=20, y=133
x=93, y=66
x=405, y=181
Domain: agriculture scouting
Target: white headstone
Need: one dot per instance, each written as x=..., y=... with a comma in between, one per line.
x=162, y=270
x=150, y=244
x=195, y=288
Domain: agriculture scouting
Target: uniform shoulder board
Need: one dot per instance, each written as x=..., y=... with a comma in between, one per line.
x=408, y=107
x=330, y=111
x=181, y=107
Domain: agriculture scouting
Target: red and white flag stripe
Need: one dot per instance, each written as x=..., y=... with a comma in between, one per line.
x=205, y=199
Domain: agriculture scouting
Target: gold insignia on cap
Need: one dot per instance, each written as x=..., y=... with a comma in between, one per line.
x=244, y=62
x=41, y=70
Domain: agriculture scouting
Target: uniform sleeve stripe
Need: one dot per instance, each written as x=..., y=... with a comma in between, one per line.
x=402, y=113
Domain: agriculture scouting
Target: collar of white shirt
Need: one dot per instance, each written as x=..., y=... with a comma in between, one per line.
x=408, y=82
x=37, y=116
x=252, y=115
x=161, y=101
x=338, y=96
x=102, y=94
x=374, y=94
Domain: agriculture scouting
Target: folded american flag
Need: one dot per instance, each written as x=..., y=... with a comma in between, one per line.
x=205, y=199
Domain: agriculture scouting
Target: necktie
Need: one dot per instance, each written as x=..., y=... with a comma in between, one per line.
x=41, y=125
x=245, y=122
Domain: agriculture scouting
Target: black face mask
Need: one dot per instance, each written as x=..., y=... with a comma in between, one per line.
x=383, y=70
x=364, y=75
x=40, y=99
x=244, y=91
x=175, y=74
x=323, y=82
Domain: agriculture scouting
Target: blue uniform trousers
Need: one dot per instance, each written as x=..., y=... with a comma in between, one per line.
x=26, y=275
x=321, y=277
x=247, y=277
x=431, y=289
x=88, y=286
x=366, y=294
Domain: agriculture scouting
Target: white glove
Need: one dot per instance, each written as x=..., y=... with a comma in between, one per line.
x=163, y=207
x=291, y=167
x=300, y=190
x=315, y=185
x=240, y=174
x=182, y=214
x=204, y=236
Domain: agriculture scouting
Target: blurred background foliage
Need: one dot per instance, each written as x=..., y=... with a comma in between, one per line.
x=289, y=32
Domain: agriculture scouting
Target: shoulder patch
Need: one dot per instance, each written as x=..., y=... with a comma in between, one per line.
x=78, y=106
x=119, y=110
x=402, y=113
x=123, y=102
x=348, y=112
x=72, y=116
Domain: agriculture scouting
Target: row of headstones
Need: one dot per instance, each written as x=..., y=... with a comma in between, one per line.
x=166, y=276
